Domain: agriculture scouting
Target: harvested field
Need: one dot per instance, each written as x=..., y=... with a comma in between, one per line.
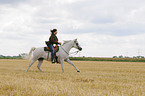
x=97, y=78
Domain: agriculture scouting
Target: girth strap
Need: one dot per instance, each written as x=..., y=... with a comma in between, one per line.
x=48, y=56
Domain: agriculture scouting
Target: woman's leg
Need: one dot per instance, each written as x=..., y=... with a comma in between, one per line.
x=52, y=52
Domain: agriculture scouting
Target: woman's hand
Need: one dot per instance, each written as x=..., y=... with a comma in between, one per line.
x=59, y=43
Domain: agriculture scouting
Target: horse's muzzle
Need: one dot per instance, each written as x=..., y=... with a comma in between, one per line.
x=80, y=49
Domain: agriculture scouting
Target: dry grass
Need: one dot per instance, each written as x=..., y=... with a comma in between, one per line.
x=95, y=79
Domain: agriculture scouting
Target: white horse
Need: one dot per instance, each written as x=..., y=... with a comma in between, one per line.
x=63, y=54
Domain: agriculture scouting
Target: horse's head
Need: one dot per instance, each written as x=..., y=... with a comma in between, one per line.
x=76, y=45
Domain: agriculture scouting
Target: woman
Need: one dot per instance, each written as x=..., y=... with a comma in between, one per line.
x=53, y=40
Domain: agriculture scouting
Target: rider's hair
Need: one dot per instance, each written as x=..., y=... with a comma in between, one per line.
x=54, y=30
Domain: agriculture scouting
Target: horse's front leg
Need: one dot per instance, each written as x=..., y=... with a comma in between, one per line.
x=67, y=60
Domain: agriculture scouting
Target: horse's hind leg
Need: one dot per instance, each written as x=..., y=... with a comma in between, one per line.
x=32, y=62
x=39, y=64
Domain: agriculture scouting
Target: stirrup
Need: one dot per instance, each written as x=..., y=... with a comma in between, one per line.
x=53, y=61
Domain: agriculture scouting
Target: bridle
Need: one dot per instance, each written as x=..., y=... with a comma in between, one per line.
x=72, y=47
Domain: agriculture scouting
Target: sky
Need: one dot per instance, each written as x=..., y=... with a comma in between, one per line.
x=104, y=28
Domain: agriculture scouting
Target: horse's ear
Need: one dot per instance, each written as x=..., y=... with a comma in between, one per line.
x=75, y=39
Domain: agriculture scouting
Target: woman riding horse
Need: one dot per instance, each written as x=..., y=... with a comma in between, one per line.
x=52, y=40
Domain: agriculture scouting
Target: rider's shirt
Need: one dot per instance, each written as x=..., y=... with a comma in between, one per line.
x=53, y=39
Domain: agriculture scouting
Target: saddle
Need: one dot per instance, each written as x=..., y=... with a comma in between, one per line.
x=56, y=48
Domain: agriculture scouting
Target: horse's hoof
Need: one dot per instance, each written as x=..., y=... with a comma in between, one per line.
x=78, y=71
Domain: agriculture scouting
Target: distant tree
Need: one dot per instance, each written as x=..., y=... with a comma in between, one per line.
x=15, y=57
x=1, y=56
x=8, y=57
x=140, y=57
x=126, y=57
x=120, y=56
x=114, y=56
x=134, y=57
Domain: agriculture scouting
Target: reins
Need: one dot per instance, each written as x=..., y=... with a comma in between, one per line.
x=67, y=52
x=64, y=50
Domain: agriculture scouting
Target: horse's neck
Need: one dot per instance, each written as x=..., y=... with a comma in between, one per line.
x=67, y=46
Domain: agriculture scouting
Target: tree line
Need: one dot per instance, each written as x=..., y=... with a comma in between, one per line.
x=121, y=56
x=20, y=56
x=114, y=58
x=10, y=57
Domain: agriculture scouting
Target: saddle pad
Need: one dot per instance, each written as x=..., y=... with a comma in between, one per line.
x=55, y=48
x=46, y=49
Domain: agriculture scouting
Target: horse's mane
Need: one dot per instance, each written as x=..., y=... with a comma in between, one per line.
x=66, y=41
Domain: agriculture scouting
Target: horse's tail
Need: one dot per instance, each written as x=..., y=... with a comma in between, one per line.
x=32, y=49
x=30, y=54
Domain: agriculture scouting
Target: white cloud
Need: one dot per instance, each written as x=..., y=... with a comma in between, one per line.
x=100, y=26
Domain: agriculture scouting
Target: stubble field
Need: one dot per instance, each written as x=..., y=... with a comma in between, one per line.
x=95, y=79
